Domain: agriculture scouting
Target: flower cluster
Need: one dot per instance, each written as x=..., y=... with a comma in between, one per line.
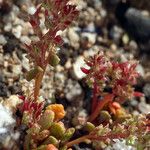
x=98, y=69
x=116, y=77
x=58, y=16
x=48, y=132
x=122, y=83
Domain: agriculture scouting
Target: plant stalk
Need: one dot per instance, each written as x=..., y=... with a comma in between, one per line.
x=97, y=138
x=38, y=82
x=39, y=78
x=107, y=98
x=94, y=99
x=79, y=140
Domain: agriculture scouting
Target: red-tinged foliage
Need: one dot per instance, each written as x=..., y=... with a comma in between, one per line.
x=84, y=70
x=32, y=107
x=117, y=77
x=58, y=40
x=129, y=74
x=58, y=16
x=100, y=105
x=98, y=68
x=138, y=94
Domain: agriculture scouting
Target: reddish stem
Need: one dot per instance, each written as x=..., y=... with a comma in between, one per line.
x=38, y=80
x=98, y=138
x=107, y=98
x=94, y=100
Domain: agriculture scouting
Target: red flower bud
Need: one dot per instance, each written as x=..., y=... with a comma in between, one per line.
x=33, y=23
x=58, y=40
x=138, y=94
x=84, y=70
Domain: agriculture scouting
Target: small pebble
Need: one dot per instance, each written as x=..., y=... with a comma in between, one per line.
x=8, y=27
x=17, y=69
x=77, y=73
x=140, y=70
x=25, y=40
x=120, y=145
x=12, y=102
x=72, y=90
x=7, y=118
x=31, y=10
x=144, y=108
x=74, y=38
x=146, y=90
x=2, y=40
x=17, y=31
x=91, y=37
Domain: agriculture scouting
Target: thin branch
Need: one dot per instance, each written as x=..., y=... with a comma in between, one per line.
x=107, y=98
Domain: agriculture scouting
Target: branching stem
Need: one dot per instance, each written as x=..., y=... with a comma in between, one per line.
x=94, y=100
x=107, y=98
x=39, y=78
x=98, y=138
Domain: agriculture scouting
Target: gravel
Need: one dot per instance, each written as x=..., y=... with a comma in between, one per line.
x=95, y=29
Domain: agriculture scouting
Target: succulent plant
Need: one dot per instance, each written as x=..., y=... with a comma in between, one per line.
x=108, y=119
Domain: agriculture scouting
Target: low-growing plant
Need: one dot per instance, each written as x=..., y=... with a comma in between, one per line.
x=112, y=84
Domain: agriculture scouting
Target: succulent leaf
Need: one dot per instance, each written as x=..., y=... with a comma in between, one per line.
x=46, y=119
x=68, y=134
x=51, y=140
x=57, y=130
x=89, y=127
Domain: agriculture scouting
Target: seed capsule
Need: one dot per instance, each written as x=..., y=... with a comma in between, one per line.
x=33, y=73
x=54, y=60
x=89, y=127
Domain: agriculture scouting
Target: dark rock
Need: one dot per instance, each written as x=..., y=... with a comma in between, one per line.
x=5, y=7
x=146, y=90
x=2, y=79
x=110, y=4
x=141, y=4
x=115, y=34
x=135, y=23
x=11, y=44
x=82, y=147
x=3, y=89
x=15, y=89
x=87, y=95
x=3, y=86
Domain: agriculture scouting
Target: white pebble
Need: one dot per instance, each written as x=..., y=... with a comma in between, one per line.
x=17, y=31
x=77, y=73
